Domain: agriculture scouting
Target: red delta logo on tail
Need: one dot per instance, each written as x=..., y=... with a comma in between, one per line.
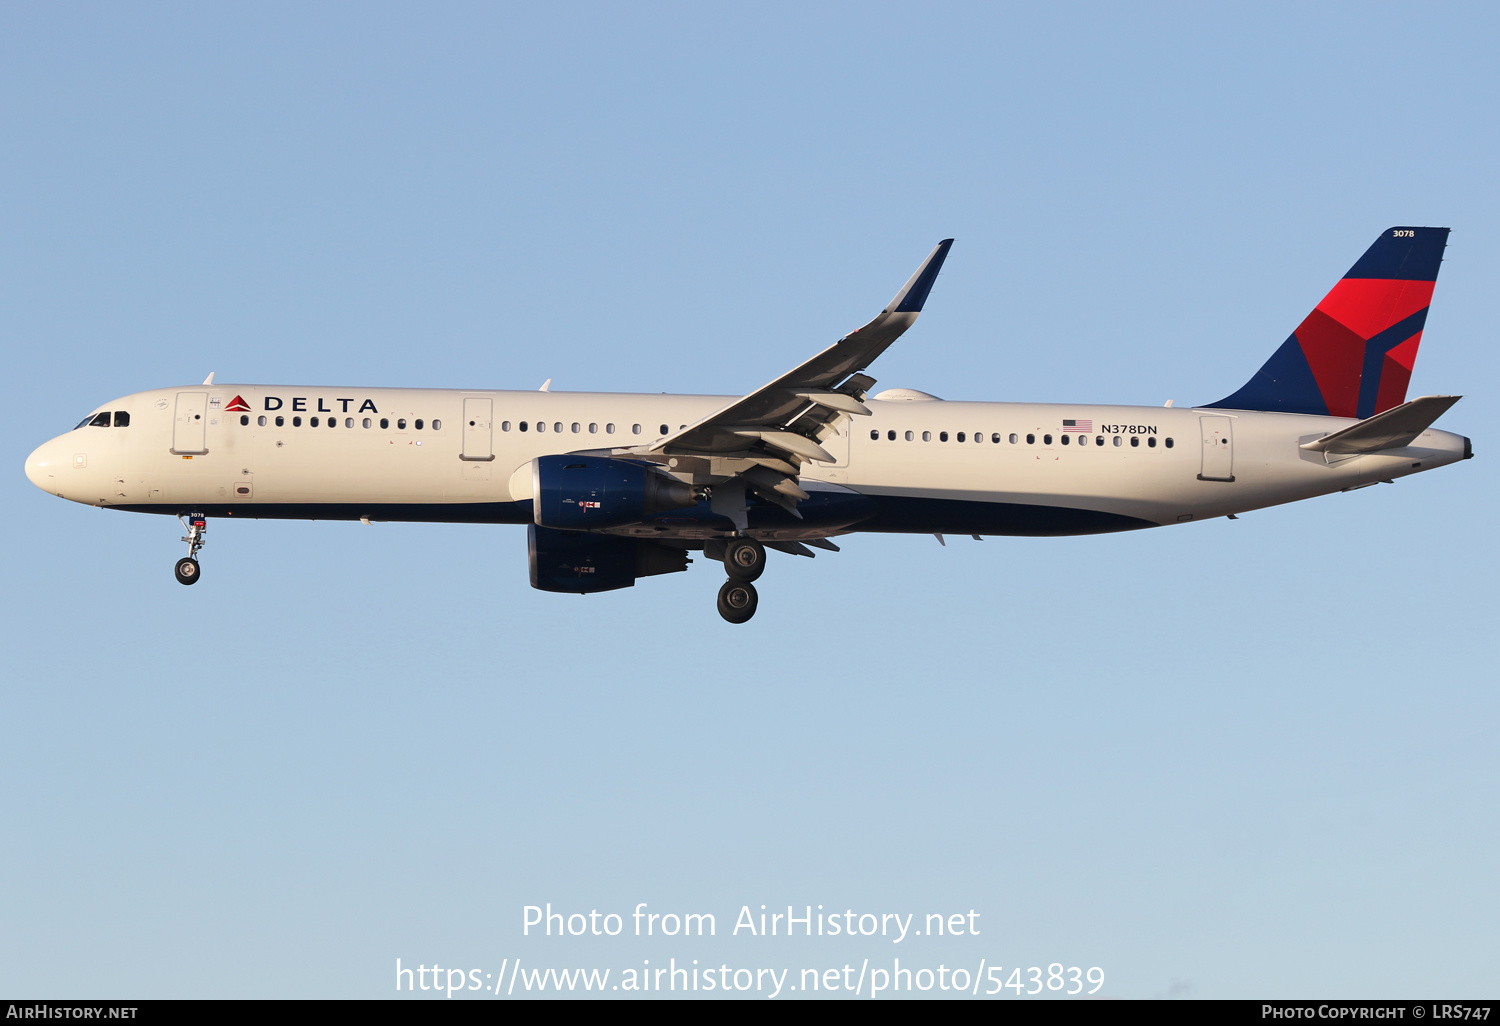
x=1353, y=355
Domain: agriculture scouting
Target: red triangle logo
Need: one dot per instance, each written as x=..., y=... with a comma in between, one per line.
x=238, y=404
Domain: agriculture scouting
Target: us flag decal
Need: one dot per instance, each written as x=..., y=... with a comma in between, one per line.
x=1084, y=426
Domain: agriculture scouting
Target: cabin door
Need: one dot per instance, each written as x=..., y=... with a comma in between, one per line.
x=1218, y=449
x=188, y=430
x=479, y=432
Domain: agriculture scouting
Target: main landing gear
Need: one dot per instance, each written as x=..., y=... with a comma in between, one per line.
x=744, y=561
x=187, y=567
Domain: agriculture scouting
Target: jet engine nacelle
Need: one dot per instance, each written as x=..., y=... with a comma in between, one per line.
x=577, y=563
x=580, y=493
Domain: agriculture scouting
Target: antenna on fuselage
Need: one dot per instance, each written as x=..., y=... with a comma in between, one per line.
x=546, y=386
x=210, y=379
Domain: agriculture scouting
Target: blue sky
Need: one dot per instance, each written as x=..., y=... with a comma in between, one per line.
x=1233, y=759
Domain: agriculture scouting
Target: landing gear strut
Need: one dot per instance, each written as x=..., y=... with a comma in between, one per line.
x=737, y=601
x=196, y=525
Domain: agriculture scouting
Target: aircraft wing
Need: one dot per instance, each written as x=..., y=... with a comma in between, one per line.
x=779, y=425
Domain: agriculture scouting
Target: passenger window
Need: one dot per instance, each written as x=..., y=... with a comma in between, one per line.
x=1064, y=439
x=333, y=422
x=368, y=422
x=635, y=429
x=890, y=436
x=609, y=429
x=100, y=420
x=1117, y=440
x=908, y=436
x=1046, y=439
x=926, y=436
x=1135, y=441
x=418, y=424
x=541, y=425
x=385, y=423
x=960, y=436
x=1151, y=442
x=1031, y=439
x=522, y=425
x=400, y=423
x=979, y=436
x=1169, y=443
x=663, y=429
x=942, y=436
x=875, y=436
x=593, y=429
x=280, y=421
x=505, y=425
x=312, y=421
x=244, y=420
x=349, y=422
x=297, y=421
x=122, y=419
x=557, y=426
x=1013, y=438
x=1099, y=440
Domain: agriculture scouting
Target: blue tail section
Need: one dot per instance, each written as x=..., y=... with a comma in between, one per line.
x=1353, y=355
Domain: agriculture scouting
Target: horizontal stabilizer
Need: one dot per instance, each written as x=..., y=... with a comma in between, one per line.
x=1389, y=430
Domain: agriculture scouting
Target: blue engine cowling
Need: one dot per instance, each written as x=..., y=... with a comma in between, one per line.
x=580, y=493
x=578, y=563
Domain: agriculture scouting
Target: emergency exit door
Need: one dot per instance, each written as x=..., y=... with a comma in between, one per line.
x=478, y=430
x=190, y=427
x=1218, y=449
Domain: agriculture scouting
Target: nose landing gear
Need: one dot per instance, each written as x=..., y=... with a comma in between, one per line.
x=187, y=570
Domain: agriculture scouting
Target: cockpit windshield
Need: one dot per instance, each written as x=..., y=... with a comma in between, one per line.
x=121, y=419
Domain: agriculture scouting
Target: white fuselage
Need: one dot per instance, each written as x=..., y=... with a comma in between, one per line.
x=931, y=465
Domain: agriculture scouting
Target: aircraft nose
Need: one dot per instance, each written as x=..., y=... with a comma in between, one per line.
x=42, y=467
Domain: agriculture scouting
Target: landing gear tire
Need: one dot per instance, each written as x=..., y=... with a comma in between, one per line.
x=744, y=559
x=737, y=601
x=186, y=570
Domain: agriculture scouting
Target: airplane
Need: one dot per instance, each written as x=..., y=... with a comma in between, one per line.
x=615, y=487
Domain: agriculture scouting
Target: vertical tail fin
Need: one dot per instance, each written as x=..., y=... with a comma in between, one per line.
x=1353, y=355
